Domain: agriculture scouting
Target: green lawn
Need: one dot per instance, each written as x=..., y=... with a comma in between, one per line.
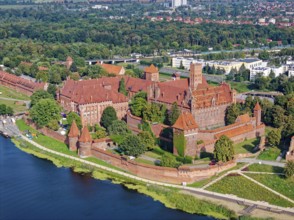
x=17, y=107
x=140, y=160
x=204, y=182
x=270, y=153
x=240, y=87
x=244, y=188
x=152, y=154
x=10, y=93
x=246, y=146
x=264, y=168
x=276, y=182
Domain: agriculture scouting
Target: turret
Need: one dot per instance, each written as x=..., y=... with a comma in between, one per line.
x=68, y=62
x=195, y=75
x=85, y=142
x=151, y=73
x=257, y=114
x=73, y=136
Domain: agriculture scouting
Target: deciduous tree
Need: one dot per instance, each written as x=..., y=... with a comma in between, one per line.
x=223, y=149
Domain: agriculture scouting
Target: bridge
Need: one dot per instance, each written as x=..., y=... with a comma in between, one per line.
x=113, y=61
x=263, y=94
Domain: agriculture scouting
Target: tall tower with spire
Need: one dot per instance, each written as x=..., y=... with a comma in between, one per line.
x=257, y=114
x=73, y=136
x=85, y=142
x=195, y=75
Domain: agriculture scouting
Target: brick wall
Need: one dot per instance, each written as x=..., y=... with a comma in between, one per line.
x=162, y=174
x=48, y=132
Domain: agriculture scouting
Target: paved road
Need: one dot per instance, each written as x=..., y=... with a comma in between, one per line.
x=232, y=198
x=252, y=160
x=27, y=102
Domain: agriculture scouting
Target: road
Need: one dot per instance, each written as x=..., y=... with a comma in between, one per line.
x=27, y=102
x=266, y=162
x=196, y=191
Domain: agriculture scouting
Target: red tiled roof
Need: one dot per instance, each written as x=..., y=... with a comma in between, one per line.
x=111, y=69
x=20, y=82
x=85, y=136
x=93, y=90
x=206, y=96
x=185, y=121
x=151, y=69
x=157, y=129
x=243, y=118
x=257, y=107
x=74, y=131
x=236, y=131
x=136, y=84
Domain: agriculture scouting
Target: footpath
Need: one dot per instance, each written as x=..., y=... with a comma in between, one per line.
x=196, y=191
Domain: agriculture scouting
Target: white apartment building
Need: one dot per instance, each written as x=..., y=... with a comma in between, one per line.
x=178, y=3
x=178, y=61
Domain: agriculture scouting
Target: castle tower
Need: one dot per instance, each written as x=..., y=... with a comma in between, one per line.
x=185, y=132
x=73, y=136
x=151, y=73
x=68, y=62
x=257, y=114
x=85, y=142
x=195, y=75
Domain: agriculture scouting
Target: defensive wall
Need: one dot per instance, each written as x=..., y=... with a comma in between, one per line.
x=188, y=174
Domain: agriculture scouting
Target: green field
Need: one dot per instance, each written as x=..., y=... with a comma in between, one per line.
x=265, y=168
x=270, y=153
x=10, y=93
x=276, y=182
x=246, y=146
x=244, y=188
x=240, y=87
x=17, y=107
x=204, y=182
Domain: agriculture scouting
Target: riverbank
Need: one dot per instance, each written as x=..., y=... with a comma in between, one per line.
x=170, y=197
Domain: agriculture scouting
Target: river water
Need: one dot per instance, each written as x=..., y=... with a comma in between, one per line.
x=33, y=188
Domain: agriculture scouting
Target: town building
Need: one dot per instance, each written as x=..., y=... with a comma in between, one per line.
x=178, y=3
x=20, y=84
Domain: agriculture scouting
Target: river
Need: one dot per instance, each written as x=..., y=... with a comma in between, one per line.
x=33, y=188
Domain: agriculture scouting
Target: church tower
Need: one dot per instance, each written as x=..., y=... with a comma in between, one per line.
x=195, y=75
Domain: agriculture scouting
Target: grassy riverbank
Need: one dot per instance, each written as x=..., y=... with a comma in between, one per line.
x=171, y=198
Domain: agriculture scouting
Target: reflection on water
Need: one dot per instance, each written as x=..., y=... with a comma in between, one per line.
x=32, y=188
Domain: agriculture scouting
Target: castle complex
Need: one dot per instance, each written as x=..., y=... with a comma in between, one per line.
x=206, y=103
x=202, y=106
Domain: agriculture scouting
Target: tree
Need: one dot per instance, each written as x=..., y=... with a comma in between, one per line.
x=53, y=124
x=118, y=127
x=44, y=111
x=173, y=114
x=137, y=106
x=108, y=116
x=38, y=95
x=147, y=139
x=72, y=116
x=122, y=87
x=52, y=90
x=274, y=137
x=232, y=112
x=132, y=145
x=289, y=168
x=223, y=149
x=168, y=160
